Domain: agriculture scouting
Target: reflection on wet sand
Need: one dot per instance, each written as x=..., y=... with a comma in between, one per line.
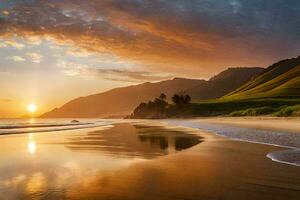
x=53, y=163
x=77, y=165
x=135, y=140
x=36, y=185
x=31, y=144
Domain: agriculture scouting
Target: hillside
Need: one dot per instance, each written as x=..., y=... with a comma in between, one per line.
x=121, y=101
x=280, y=80
x=275, y=91
x=223, y=83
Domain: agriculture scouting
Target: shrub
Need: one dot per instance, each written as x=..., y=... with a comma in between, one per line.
x=287, y=111
x=253, y=111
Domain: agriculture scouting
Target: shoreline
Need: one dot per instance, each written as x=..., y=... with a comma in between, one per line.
x=92, y=165
x=254, y=130
x=288, y=124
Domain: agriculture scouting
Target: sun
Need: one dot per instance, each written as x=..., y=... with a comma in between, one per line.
x=31, y=108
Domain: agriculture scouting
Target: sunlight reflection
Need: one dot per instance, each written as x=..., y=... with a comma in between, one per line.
x=31, y=147
x=31, y=144
x=31, y=121
x=36, y=184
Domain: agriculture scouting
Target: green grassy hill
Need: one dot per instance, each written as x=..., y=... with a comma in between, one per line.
x=223, y=83
x=280, y=80
x=275, y=91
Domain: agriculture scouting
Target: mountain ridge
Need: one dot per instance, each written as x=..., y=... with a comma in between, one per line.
x=232, y=78
x=121, y=101
x=280, y=80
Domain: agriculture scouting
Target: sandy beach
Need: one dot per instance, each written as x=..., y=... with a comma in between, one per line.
x=149, y=100
x=287, y=124
x=141, y=161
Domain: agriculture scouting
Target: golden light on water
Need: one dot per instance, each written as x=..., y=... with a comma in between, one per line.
x=31, y=108
x=31, y=145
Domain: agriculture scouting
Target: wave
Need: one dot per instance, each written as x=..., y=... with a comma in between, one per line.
x=39, y=125
x=291, y=157
x=18, y=127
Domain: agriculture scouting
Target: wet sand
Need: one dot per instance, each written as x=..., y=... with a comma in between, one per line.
x=213, y=168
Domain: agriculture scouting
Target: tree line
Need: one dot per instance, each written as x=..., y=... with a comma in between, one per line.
x=158, y=107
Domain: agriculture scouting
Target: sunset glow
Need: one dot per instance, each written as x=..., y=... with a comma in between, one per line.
x=150, y=99
x=93, y=46
x=31, y=108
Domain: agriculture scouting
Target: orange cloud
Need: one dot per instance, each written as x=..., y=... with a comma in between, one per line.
x=75, y=69
x=185, y=37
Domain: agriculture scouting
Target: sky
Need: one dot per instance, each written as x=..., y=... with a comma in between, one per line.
x=55, y=50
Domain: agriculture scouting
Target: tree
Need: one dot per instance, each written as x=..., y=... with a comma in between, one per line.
x=187, y=99
x=181, y=99
x=162, y=96
x=151, y=109
x=176, y=99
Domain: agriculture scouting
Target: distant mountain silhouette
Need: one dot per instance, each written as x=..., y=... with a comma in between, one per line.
x=223, y=83
x=120, y=102
x=280, y=80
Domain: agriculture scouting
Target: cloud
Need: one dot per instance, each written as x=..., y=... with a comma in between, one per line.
x=77, y=52
x=72, y=69
x=131, y=76
x=75, y=69
x=34, y=57
x=5, y=12
x=14, y=44
x=33, y=40
x=184, y=36
x=4, y=100
x=3, y=45
x=17, y=58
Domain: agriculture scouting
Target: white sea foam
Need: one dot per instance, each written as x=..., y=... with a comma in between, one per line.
x=18, y=126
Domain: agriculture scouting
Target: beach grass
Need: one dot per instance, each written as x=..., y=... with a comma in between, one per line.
x=253, y=107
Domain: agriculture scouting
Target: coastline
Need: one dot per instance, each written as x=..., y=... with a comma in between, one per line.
x=284, y=134
x=215, y=168
x=287, y=124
